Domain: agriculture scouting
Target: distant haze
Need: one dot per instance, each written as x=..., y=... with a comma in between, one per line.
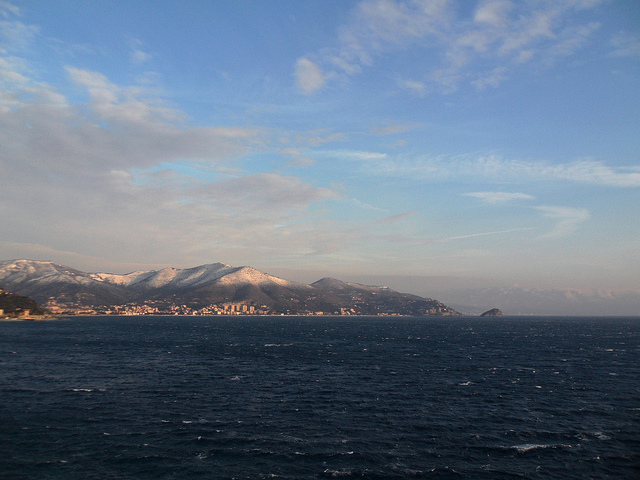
x=458, y=149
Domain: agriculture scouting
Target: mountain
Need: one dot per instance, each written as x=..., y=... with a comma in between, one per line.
x=201, y=287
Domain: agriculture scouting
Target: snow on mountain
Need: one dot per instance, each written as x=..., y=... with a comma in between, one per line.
x=329, y=283
x=205, y=285
x=249, y=275
x=123, y=280
x=190, y=277
x=14, y=272
x=168, y=277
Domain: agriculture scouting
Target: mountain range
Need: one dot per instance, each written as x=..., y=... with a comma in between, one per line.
x=194, y=288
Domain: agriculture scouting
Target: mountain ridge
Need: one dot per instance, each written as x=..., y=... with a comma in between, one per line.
x=216, y=286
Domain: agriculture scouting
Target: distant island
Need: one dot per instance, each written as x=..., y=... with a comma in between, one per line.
x=212, y=289
x=494, y=312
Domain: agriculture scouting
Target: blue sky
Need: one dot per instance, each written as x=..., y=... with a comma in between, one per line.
x=492, y=140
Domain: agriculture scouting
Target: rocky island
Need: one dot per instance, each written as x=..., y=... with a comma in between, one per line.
x=494, y=312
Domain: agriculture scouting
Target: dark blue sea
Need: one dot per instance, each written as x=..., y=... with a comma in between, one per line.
x=315, y=398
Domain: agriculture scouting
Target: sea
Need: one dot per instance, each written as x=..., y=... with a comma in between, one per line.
x=320, y=397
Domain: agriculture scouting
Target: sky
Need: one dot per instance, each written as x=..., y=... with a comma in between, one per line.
x=487, y=141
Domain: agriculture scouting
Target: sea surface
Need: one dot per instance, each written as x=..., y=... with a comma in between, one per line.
x=320, y=397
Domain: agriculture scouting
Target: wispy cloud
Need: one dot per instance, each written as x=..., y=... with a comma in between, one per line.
x=7, y=9
x=138, y=54
x=499, y=197
x=493, y=167
x=625, y=44
x=417, y=87
x=567, y=219
x=397, y=217
x=16, y=36
x=423, y=241
x=392, y=129
x=484, y=234
x=356, y=155
x=482, y=50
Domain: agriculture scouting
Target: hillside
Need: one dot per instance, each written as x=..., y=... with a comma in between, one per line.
x=217, y=284
x=13, y=305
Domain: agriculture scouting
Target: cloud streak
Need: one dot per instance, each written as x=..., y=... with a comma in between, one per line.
x=499, y=197
x=492, y=167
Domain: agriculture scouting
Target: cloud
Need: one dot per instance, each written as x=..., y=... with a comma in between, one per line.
x=16, y=36
x=417, y=87
x=261, y=193
x=499, y=197
x=593, y=172
x=490, y=79
x=138, y=55
x=298, y=159
x=567, y=219
x=501, y=36
x=625, y=44
x=126, y=105
x=318, y=137
x=119, y=167
x=493, y=13
x=309, y=77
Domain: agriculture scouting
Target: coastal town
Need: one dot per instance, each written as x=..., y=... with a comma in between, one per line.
x=229, y=308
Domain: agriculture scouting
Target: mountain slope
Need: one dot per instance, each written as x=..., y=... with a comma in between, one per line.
x=198, y=287
x=43, y=281
x=374, y=300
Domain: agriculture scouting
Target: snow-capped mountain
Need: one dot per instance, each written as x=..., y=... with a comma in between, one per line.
x=47, y=282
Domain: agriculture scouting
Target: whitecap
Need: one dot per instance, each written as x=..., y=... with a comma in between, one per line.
x=527, y=447
x=338, y=473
